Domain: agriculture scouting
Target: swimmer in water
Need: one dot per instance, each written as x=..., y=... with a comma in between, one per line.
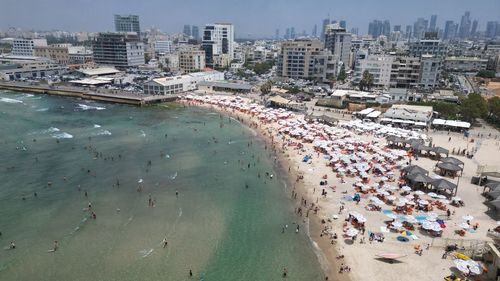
x=164, y=242
x=12, y=245
x=55, y=245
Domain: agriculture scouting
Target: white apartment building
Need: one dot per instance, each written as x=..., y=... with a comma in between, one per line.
x=379, y=66
x=218, y=40
x=162, y=46
x=26, y=47
x=465, y=64
x=430, y=66
x=338, y=41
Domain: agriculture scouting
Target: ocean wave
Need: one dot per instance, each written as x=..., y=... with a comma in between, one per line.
x=62, y=135
x=172, y=177
x=89, y=107
x=143, y=134
x=97, y=126
x=7, y=100
x=43, y=109
x=102, y=133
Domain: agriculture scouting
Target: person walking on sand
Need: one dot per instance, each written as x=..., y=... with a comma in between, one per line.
x=190, y=273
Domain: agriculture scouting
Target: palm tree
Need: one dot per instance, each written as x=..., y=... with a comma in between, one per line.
x=366, y=81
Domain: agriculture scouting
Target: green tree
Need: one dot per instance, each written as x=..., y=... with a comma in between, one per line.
x=472, y=107
x=266, y=87
x=342, y=74
x=494, y=108
x=366, y=81
x=486, y=74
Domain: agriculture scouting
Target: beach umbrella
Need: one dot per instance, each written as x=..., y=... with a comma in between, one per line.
x=432, y=215
x=351, y=232
x=456, y=199
x=467, y=217
x=419, y=192
x=391, y=197
x=432, y=194
x=391, y=187
x=406, y=188
x=411, y=219
x=468, y=266
x=400, y=204
x=397, y=224
x=406, y=233
x=391, y=215
x=390, y=256
x=464, y=225
x=441, y=196
x=444, y=201
x=423, y=202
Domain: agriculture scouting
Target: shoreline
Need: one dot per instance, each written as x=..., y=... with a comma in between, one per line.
x=325, y=252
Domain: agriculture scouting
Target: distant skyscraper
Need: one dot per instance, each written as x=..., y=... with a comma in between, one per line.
x=325, y=23
x=195, y=32
x=397, y=28
x=127, y=23
x=420, y=27
x=450, y=30
x=465, y=25
x=277, y=34
x=315, y=31
x=187, y=30
x=408, y=31
x=287, y=33
x=386, y=28
x=343, y=24
x=491, y=29
x=355, y=30
x=432, y=25
x=474, y=28
x=292, y=33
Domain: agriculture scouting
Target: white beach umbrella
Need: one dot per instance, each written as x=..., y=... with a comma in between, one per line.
x=432, y=215
x=419, y=192
x=456, y=199
x=391, y=197
x=432, y=194
x=391, y=215
x=352, y=232
x=464, y=225
x=400, y=204
x=468, y=217
x=444, y=201
x=423, y=202
x=468, y=266
x=397, y=224
x=440, y=196
x=411, y=219
x=406, y=188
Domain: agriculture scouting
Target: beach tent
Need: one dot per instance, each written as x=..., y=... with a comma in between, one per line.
x=452, y=160
x=493, y=194
x=419, y=178
x=448, y=167
x=412, y=169
x=488, y=171
x=442, y=184
x=440, y=150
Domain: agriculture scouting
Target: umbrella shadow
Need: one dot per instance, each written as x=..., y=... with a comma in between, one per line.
x=391, y=261
x=348, y=241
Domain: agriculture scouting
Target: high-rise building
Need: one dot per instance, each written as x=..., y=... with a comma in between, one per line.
x=325, y=23
x=420, y=27
x=162, y=46
x=305, y=59
x=338, y=41
x=386, y=28
x=432, y=25
x=315, y=31
x=187, y=30
x=355, y=31
x=195, y=32
x=26, y=47
x=465, y=25
x=343, y=24
x=277, y=34
x=491, y=29
x=378, y=65
x=118, y=49
x=408, y=31
x=405, y=72
x=287, y=33
x=218, y=43
x=127, y=23
x=397, y=28
x=450, y=30
x=475, y=26
x=292, y=33
x=430, y=67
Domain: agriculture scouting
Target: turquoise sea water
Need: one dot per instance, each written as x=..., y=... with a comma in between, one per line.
x=217, y=227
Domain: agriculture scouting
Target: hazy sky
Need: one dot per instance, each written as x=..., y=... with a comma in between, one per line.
x=252, y=18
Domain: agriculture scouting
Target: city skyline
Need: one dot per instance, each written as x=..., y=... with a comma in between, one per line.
x=267, y=16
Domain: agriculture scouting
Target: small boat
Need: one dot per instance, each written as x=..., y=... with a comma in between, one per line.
x=390, y=256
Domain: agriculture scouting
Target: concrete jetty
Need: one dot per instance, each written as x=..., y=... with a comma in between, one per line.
x=78, y=92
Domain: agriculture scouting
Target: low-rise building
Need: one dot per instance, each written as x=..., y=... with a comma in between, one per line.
x=24, y=67
x=26, y=47
x=179, y=84
x=191, y=60
x=80, y=55
x=57, y=53
x=409, y=113
x=465, y=64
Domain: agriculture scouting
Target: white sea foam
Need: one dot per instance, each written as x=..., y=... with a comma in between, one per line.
x=146, y=252
x=7, y=100
x=97, y=126
x=167, y=156
x=89, y=107
x=103, y=133
x=140, y=180
x=43, y=109
x=62, y=135
x=143, y=134
x=172, y=177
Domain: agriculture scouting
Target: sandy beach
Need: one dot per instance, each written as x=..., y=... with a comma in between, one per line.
x=322, y=212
